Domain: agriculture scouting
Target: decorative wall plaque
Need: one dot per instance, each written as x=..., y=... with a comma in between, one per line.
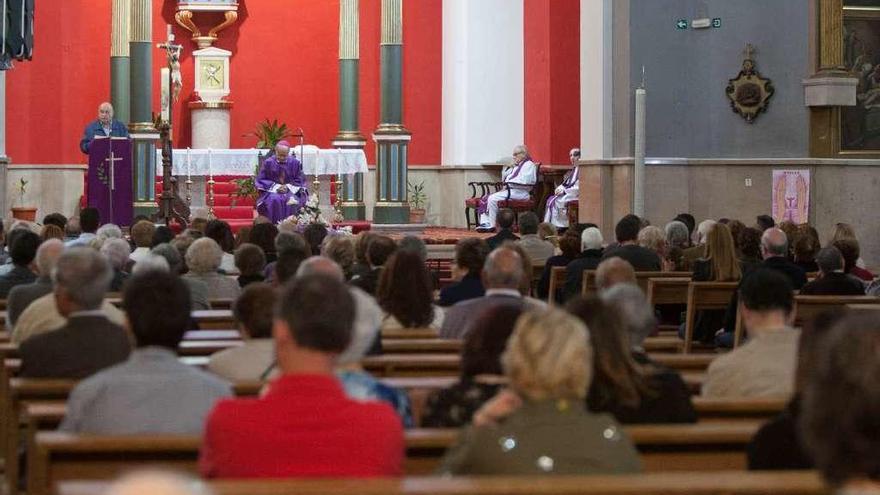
x=749, y=93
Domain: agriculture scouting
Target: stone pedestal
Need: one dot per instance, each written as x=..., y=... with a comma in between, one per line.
x=210, y=124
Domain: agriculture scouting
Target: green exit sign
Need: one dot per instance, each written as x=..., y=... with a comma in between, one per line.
x=681, y=24
x=716, y=22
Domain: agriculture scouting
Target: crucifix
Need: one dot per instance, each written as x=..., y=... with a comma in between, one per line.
x=111, y=163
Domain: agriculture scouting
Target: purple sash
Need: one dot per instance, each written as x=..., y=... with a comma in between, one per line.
x=483, y=204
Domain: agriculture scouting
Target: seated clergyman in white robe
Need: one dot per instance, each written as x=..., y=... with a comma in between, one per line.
x=521, y=178
x=556, y=211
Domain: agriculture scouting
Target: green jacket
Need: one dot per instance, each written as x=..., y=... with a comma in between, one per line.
x=547, y=437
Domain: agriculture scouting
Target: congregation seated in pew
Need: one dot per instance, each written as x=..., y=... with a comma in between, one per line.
x=569, y=245
x=151, y=392
x=21, y=296
x=588, y=259
x=406, y=295
x=627, y=234
x=379, y=248
x=832, y=279
x=23, y=246
x=88, y=341
x=253, y=312
x=203, y=258
x=250, y=261
x=719, y=264
x=470, y=256
x=117, y=252
x=198, y=289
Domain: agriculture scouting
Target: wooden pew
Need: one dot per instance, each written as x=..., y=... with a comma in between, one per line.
x=714, y=409
x=684, y=483
x=423, y=364
x=588, y=282
x=411, y=333
x=557, y=282
x=214, y=319
x=663, y=290
x=435, y=345
x=60, y=456
x=703, y=296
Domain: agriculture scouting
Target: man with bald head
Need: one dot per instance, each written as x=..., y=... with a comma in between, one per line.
x=22, y=295
x=281, y=184
x=614, y=271
x=501, y=276
x=104, y=126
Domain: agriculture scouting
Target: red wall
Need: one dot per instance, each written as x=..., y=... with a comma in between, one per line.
x=552, y=84
x=284, y=66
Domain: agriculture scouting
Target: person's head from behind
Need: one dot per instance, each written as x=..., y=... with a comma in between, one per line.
x=548, y=356
x=151, y=262
x=829, y=260
x=849, y=249
x=204, y=256
x=414, y=244
x=570, y=245
x=765, y=300
x=23, y=247
x=617, y=377
x=142, y=234
x=360, y=246
x=314, y=235
x=405, y=290
x=689, y=221
x=72, y=230
x=525, y=283
x=340, y=249
x=51, y=231
x=162, y=235
x=547, y=232
x=313, y=323
x=379, y=250
x=157, y=483
x=505, y=218
x=503, y=269
x=774, y=243
x=721, y=252
x=486, y=340
x=470, y=255
x=528, y=223
x=157, y=308
x=56, y=219
x=627, y=229
x=841, y=405
x=765, y=222
x=703, y=230
x=288, y=263
x=47, y=256
x=614, y=271
x=749, y=243
x=89, y=220
x=677, y=235
x=263, y=235
x=107, y=231
x=653, y=238
x=290, y=240
x=171, y=255
x=806, y=244
x=253, y=310
x=250, y=259
x=630, y=303
x=80, y=280
x=117, y=252
x=591, y=239
x=221, y=232
x=199, y=224
x=842, y=231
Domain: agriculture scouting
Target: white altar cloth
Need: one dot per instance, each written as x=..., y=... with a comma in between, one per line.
x=243, y=162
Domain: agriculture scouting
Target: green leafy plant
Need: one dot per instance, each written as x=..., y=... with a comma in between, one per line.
x=22, y=189
x=268, y=133
x=417, y=196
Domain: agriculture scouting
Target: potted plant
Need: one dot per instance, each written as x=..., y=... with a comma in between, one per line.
x=268, y=134
x=417, y=198
x=27, y=213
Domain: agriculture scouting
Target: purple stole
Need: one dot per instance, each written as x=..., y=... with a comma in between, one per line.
x=568, y=180
x=483, y=205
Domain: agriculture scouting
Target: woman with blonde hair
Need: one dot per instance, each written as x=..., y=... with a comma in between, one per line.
x=720, y=265
x=542, y=424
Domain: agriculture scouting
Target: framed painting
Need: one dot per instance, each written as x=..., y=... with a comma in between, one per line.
x=860, y=125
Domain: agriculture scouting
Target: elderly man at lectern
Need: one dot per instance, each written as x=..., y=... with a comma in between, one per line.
x=105, y=126
x=519, y=177
x=281, y=183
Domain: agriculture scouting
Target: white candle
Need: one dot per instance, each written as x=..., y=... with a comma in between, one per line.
x=165, y=93
x=639, y=154
x=188, y=164
x=210, y=164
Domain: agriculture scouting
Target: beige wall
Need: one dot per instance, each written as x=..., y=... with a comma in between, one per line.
x=51, y=188
x=841, y=191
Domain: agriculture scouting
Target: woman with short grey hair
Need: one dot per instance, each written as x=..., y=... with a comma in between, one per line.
x=203, y=259
x=117, y=252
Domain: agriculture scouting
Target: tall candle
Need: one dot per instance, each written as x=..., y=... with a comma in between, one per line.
x=210, y=164
x=165, y=93
x=188, y=164
x=639, y=155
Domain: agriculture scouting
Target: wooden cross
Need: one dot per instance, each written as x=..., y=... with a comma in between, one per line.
x=112, y=158
x=749, y=51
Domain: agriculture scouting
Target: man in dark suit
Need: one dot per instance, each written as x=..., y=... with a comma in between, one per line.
x=105, y=126
x=88, y=342
x=627, y=233
x=505, y=220
x=22, y=249
x=22, y=295
x=832, y=281
x=470, y=255
x=774, y=248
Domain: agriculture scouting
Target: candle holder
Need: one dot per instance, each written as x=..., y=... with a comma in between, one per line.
x=338, y=206
x=211, y=214
x=189, y=196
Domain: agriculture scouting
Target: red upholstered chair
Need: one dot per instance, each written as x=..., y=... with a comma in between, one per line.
x=517, y=205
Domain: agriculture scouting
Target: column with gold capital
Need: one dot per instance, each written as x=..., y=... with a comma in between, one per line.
x=119, y=59
x=391, y=137
x=143, y=133
x=349, y=136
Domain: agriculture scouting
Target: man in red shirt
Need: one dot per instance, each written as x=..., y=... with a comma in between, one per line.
x=305, y=426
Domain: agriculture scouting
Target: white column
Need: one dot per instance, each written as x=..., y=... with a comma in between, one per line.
x=597, y=74
x=483, y=80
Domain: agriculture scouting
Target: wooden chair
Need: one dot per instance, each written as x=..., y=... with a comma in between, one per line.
x=517, y=205
x=703, y=296
x=679, y=483
x=557, y=281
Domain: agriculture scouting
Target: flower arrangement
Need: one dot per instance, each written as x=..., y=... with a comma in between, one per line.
x=309, y=214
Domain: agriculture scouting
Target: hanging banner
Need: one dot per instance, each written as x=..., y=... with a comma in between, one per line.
x=791, y=196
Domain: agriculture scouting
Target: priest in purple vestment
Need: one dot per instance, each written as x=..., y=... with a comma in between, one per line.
x=281, y=183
